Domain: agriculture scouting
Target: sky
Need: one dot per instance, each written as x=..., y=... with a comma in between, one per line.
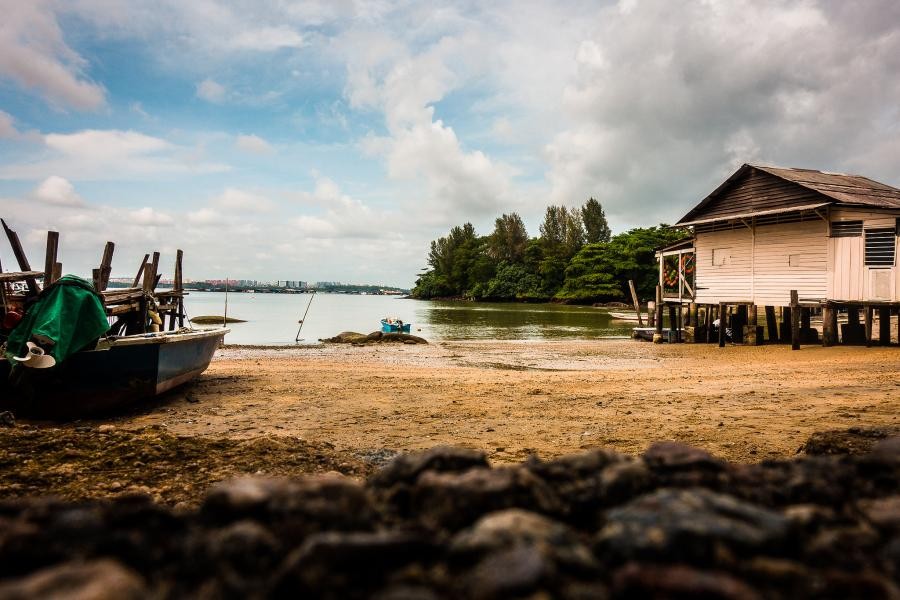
x=332, y=140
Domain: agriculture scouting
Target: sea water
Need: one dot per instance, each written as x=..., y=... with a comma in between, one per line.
x=272, y=319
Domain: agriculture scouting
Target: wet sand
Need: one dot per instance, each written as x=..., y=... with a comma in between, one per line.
x=512, y=399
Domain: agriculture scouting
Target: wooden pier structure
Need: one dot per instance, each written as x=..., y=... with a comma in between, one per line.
x=775, y=252
x=141, y=308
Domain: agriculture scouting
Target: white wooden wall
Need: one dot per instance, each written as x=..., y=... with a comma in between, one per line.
x=764, y=265
x=848, y=277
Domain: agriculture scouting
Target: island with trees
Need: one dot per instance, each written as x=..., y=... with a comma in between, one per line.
x=574, y=260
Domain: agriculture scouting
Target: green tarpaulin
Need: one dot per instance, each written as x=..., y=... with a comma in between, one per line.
x=69, y=312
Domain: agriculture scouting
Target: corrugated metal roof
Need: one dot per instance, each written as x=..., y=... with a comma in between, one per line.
x=774, y=211
x=846, y=189
x=836, y=188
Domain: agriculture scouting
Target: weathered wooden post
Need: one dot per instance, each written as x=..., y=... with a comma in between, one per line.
x=673, y=323
x=752, y=320
x=723, y=318
x=884, y=326
x=829, y=325
x=651, y=314
x=868, y=310
x=709, y=322
x=785, y=331
x=795, y=320
x=50, y=258
x=772, y=323
x=637, y=304
x=659, y=310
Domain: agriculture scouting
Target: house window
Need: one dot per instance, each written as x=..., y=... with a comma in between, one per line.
x=721, y=256
x=794, y=260
x=846, y=228
x=880, y=247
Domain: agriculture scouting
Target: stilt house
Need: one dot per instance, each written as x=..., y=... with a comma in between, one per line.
x=766, y=233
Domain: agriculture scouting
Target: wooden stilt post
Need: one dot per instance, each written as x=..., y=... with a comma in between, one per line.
x=179, y=286
x=673, y=323
x=884, y=326
x=50, y=257
x=723, y=322
x=829, y=325
x=106, y=266
x=692, y=314
x=785, y=331
x=709, y=322
x=752, y=323
x=772, y=323
x=795, y=320
x=868, y=310
x=659, y=310
x=805, y=318
x=651, y=314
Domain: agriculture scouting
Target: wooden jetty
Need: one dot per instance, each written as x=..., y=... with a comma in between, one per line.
x=774, y=250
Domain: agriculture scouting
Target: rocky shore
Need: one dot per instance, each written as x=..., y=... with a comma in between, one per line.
x=672, y=522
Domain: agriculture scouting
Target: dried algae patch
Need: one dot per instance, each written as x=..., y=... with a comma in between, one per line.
x=89, y=462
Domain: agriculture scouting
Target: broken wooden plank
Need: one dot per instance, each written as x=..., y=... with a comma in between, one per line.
x=50, y=257
x=140, y=273
x=21, y=259
x=23, y=276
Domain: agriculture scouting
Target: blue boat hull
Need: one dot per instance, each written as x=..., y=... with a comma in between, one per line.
x=128, y=371
x=393, y=328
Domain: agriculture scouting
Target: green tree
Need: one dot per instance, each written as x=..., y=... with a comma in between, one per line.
x=596, y=229
x=509, y=239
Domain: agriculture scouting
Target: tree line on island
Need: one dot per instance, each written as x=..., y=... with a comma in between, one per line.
x=575, y=260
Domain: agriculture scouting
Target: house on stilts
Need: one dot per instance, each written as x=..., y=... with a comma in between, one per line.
x=775, y=249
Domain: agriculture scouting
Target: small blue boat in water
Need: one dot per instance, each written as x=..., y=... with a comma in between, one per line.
x=394, y=325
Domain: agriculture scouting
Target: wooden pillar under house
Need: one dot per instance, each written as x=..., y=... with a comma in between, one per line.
x=805, y=317
x=739, y=321
x=884, y=326
x=709, y=322
x=829, y=325
x=659, y=310
x=868, y=310
x=772, y=323
x=785, y=326
x=753, y=337
x=795, y=320
x=673, y=323
x=722, y=323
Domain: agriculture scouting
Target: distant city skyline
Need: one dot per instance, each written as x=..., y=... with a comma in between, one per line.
x=338, y=139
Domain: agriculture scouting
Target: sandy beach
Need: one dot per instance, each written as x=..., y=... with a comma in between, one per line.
x=512, y=399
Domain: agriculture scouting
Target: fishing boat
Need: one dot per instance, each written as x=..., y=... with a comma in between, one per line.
x=119, y=372
x=394, y=325
x=73, y=348
x=622, y=316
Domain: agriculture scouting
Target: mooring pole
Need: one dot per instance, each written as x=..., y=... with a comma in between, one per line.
x=225, y=317
x=297, y=338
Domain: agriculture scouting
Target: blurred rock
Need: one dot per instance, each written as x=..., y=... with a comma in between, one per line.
x=96, y=580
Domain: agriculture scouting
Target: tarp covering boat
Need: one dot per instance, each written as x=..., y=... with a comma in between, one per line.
x=66, y=317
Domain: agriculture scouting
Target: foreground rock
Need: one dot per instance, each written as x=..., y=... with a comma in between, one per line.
x=673, y=523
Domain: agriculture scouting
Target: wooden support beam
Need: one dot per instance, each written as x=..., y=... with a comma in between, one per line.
x=106, y=265
x=651, y=314
x=659, y=310
x=752, y=323
x=673, y=323
x=140, y=273
x=50, y=257
x=708, y=315
x=147, y=283
x=637, y=304
x=884, y=326
x=57, y=271
x=722, y=323
x=784, y=331
x=772, y=323
x=868, y=310
x=21, y=259
x=693, y=314
x=829, y=325
x=155, y=264
x=795, y=320
x=10, y=277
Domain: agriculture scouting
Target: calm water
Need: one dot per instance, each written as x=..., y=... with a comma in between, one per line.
x=272, y=318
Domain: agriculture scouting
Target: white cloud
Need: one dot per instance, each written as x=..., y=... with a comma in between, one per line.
x=110, y=154
x=341, y=216
x=206, y=216
x=233, y=199
x=253, y=144
x=150, y=217
x=268, y=39
x=34, y=55
x=7, y=126
x=57, y=191
x=211, y=91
